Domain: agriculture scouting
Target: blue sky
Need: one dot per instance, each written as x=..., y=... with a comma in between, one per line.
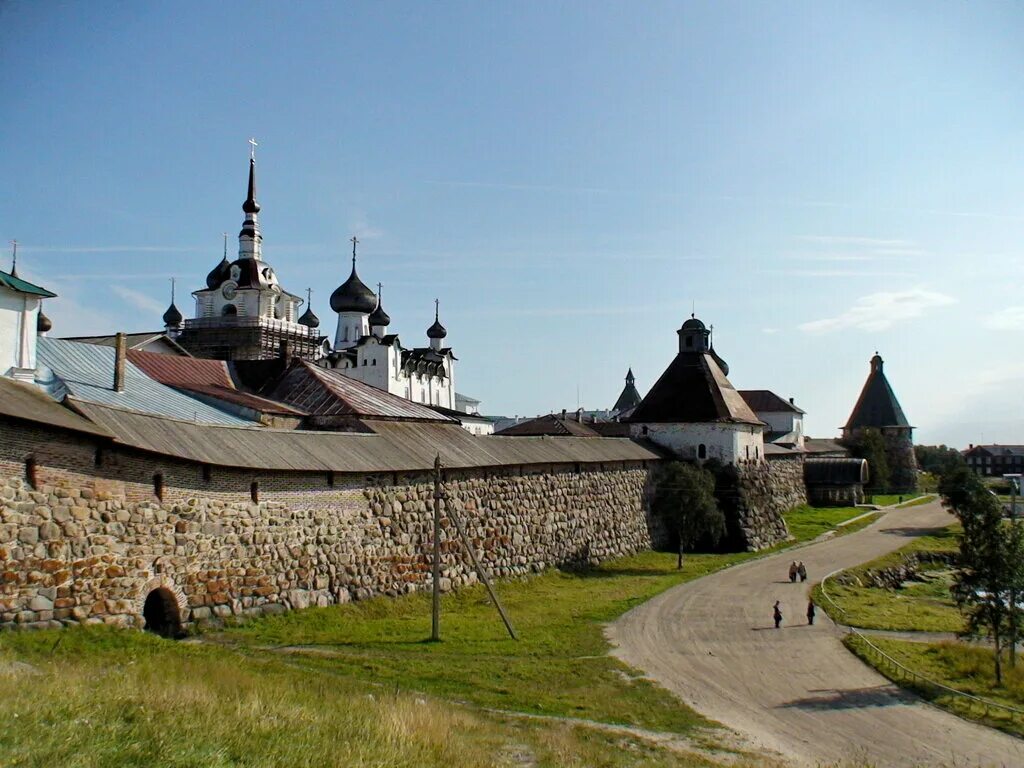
x=819, y=180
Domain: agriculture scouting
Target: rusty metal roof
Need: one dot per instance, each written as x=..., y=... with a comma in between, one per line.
x=393, y=446
x=204, y=377
x=549, y=424
x=325, y=392
x=21, y=400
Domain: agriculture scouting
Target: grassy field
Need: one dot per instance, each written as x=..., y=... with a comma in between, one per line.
x=359, y=685
x=920, y=606
x=965, y=668
x=102, y=697
x=808, y=523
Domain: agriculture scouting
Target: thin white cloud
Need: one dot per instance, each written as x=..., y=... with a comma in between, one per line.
x=835, y=273
x=855, y=240
x=769, y=330
x=140, y=300
x=878, y=311
x=1006, y=319
x=111, y=248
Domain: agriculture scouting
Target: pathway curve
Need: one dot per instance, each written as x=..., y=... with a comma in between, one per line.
x=797, y=690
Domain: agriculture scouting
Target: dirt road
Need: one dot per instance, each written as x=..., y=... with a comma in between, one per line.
x=796, y=690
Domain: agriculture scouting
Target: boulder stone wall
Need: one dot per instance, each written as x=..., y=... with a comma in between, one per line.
x=763, y=491
x=82, y=545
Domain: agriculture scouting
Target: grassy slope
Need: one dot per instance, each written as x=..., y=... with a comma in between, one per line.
x=807, y=523
x=113, y=698
x=888, y=499
x=926, y=606
x=966, y=668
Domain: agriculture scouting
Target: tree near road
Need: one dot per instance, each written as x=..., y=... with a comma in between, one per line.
x=989, y=569
x=870, y=445
x=685, y=502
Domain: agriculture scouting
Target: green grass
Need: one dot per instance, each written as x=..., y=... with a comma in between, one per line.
x=807, y=523
x=96, y=696
x=560, y=666
x=920, y=606
x=888, y=499
x=925, y=499
x=966, y=668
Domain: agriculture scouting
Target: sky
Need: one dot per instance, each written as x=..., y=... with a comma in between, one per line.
x=571, y=179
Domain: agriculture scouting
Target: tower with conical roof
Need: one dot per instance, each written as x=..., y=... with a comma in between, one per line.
x=243, y=313
x=629, y=399
x=878, y=409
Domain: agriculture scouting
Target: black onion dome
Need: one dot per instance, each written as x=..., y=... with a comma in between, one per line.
x=436, y=331
x=380, y=317
x=353, y=296
x=693, y=324
x=43, y=324
x=172, y=316
x=218, y=274
x=309, y=319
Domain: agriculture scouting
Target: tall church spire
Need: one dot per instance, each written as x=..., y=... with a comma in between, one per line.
x=250, y=241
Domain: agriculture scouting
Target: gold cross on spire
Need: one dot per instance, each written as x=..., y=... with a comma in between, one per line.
x=252, y=148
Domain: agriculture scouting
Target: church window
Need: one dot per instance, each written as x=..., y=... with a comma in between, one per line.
x=230, y=310
x=702, y=451
x=344, y=334
x=374, y=361
x=746, y=451
x=689, y=341
x=365, y=361
x=158, y=485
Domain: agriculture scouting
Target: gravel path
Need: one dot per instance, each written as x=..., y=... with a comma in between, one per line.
x=797, y=691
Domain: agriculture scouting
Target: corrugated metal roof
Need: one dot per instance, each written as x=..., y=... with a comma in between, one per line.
x=323, y=392
x=86, y=371
x=394, y=446
x=549, y=424
x=205, y=377
x=26, y=401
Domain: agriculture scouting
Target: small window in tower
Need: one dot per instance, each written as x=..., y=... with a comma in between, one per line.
x=31, y=471
x=230, y=310
x=689, y=341
x=365, y=361
x=374, y=361
x=254, y=491
x=158, y=485
x=702, y=451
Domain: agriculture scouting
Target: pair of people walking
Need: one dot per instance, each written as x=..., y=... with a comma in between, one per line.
x=777, y=613
x=797, y=570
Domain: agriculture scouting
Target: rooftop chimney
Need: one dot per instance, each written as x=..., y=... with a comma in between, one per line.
x=563, y=414
x=120, y=353
x=791, y=401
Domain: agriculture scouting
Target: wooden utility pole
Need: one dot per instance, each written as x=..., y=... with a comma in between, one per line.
x=481, y=572
x=435, y=619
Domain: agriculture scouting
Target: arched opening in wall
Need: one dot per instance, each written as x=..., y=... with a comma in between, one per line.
x=161, y=615
x=158, y=485
x=230, y=310
x=254, y=491
x=702, y=451
x=31, y=471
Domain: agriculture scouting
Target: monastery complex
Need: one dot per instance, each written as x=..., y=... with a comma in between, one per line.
x=243, y=461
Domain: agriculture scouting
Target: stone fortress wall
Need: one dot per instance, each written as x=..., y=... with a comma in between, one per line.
x=88, y=534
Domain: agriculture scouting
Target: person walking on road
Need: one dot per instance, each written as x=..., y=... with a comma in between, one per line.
x=802, y=571
x=810, y=613
x=777, y=614
x=792, y=571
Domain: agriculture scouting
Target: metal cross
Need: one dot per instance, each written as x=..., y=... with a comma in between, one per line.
x=355, y=242
x=172, y=290
x=437, y=308
x=14, y=259
x=309, y=297
x=225, y=245
x=252, y=148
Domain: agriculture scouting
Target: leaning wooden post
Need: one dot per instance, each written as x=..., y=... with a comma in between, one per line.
x=435, y=614
x=481, y=572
